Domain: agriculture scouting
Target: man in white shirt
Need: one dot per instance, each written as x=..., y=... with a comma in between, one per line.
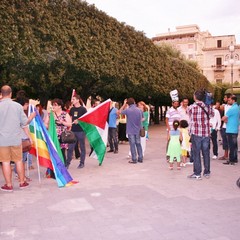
x=223, y=129
x=215, y=125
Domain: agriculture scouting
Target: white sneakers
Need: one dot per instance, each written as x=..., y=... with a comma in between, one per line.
x=214, y=157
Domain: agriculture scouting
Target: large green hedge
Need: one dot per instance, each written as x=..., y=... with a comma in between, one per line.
x=49, y=47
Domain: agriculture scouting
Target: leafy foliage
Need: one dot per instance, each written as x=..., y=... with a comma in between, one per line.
x=49, y=47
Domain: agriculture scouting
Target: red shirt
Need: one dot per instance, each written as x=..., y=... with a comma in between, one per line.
x=199, y=119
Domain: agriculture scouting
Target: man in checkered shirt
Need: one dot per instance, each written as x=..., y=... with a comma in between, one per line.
x=199, y=127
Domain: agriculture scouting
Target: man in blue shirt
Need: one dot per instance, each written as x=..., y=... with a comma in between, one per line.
x=232, y=123
x=112, y=130
x=134, y=124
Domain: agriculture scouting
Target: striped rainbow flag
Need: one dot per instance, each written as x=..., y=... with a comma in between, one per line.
x=45, y=150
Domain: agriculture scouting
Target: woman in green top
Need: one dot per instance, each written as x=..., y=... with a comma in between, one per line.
x=145, y=123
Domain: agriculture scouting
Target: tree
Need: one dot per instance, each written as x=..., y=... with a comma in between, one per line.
x=49, y=47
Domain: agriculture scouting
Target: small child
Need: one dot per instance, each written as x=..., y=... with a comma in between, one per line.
x=185, y=141
x=174, y=146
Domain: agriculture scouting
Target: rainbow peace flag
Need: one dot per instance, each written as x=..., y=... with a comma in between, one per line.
x=45, y=150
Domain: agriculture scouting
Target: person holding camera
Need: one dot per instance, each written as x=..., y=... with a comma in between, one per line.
x=200, y=114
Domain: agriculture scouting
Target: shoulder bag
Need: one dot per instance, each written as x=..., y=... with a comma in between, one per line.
x=26, y=145
x=142, y=132
x=67, y=137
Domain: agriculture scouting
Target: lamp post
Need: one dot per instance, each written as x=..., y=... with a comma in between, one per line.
x=231, y=61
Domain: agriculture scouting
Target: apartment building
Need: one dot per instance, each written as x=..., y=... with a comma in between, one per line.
x=212, y=53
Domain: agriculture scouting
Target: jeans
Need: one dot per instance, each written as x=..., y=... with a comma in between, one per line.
x=233, y=147
x=214, y=142
x=81, y=139
x=135, y=143
x=26, y=157
x=224, y=139
x=112, y=138
x=200, y=144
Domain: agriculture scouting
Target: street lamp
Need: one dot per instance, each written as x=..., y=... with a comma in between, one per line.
x=230, y=59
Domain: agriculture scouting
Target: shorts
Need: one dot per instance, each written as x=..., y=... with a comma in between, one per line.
x=184, y=152
x=11, y=153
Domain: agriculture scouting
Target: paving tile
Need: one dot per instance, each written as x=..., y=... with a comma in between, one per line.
x=119, y=201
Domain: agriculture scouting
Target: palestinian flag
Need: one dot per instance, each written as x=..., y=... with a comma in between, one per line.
x=95, y=125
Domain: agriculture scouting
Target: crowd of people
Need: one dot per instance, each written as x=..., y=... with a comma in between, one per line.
x=189, y=131
x=203, y=122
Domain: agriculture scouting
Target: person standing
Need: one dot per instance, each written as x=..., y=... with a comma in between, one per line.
x=200, y=114
x=76, y=112
x=63, y=123
x=231, y=119
x=12, y=120
x=223, y=129
x=183, y=110
x=122, y=128
x=134, y=124
x=185, y=145
x=174, y=146
x=145, y=123
x=172, y=114
x=112, y=129
x=215, y=125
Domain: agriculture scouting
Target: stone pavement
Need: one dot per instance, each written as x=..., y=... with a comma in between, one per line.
x=121, y=201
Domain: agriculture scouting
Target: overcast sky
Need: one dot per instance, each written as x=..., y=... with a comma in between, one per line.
x=219, y=17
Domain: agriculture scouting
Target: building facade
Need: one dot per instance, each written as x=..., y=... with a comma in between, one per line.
x=212, y=53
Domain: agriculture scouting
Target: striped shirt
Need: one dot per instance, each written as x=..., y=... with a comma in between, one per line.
x=199, y=119
x=172, y=114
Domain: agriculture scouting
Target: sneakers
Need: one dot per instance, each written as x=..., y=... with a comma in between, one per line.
x=194, y=176
x=229, y=163
x=6, y=188
x=214, y=157
x=23, y=185
x=206, y=175
x=81, y=165
x=189, y=163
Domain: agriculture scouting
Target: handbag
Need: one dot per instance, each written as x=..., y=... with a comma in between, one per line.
x=67, y=137
x=26, y=145
x=142, y=132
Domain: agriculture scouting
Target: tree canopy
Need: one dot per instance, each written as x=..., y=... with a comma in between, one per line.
x=49, y=47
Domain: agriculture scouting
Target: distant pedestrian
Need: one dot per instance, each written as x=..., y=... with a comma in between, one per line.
x=134, y=123
x=215, y=125
x=174, y=145
x=231, y=119
x=145, y=124
x=112, y=129
x=185, y=146
x=76, y=112
x=225, y=106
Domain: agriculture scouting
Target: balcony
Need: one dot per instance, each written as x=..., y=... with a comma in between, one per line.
x=218, y=68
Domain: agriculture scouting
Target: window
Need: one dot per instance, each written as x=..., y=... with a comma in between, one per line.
x=219, y=61
x=190, y=46
x=218, y=81
x=219, y=43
